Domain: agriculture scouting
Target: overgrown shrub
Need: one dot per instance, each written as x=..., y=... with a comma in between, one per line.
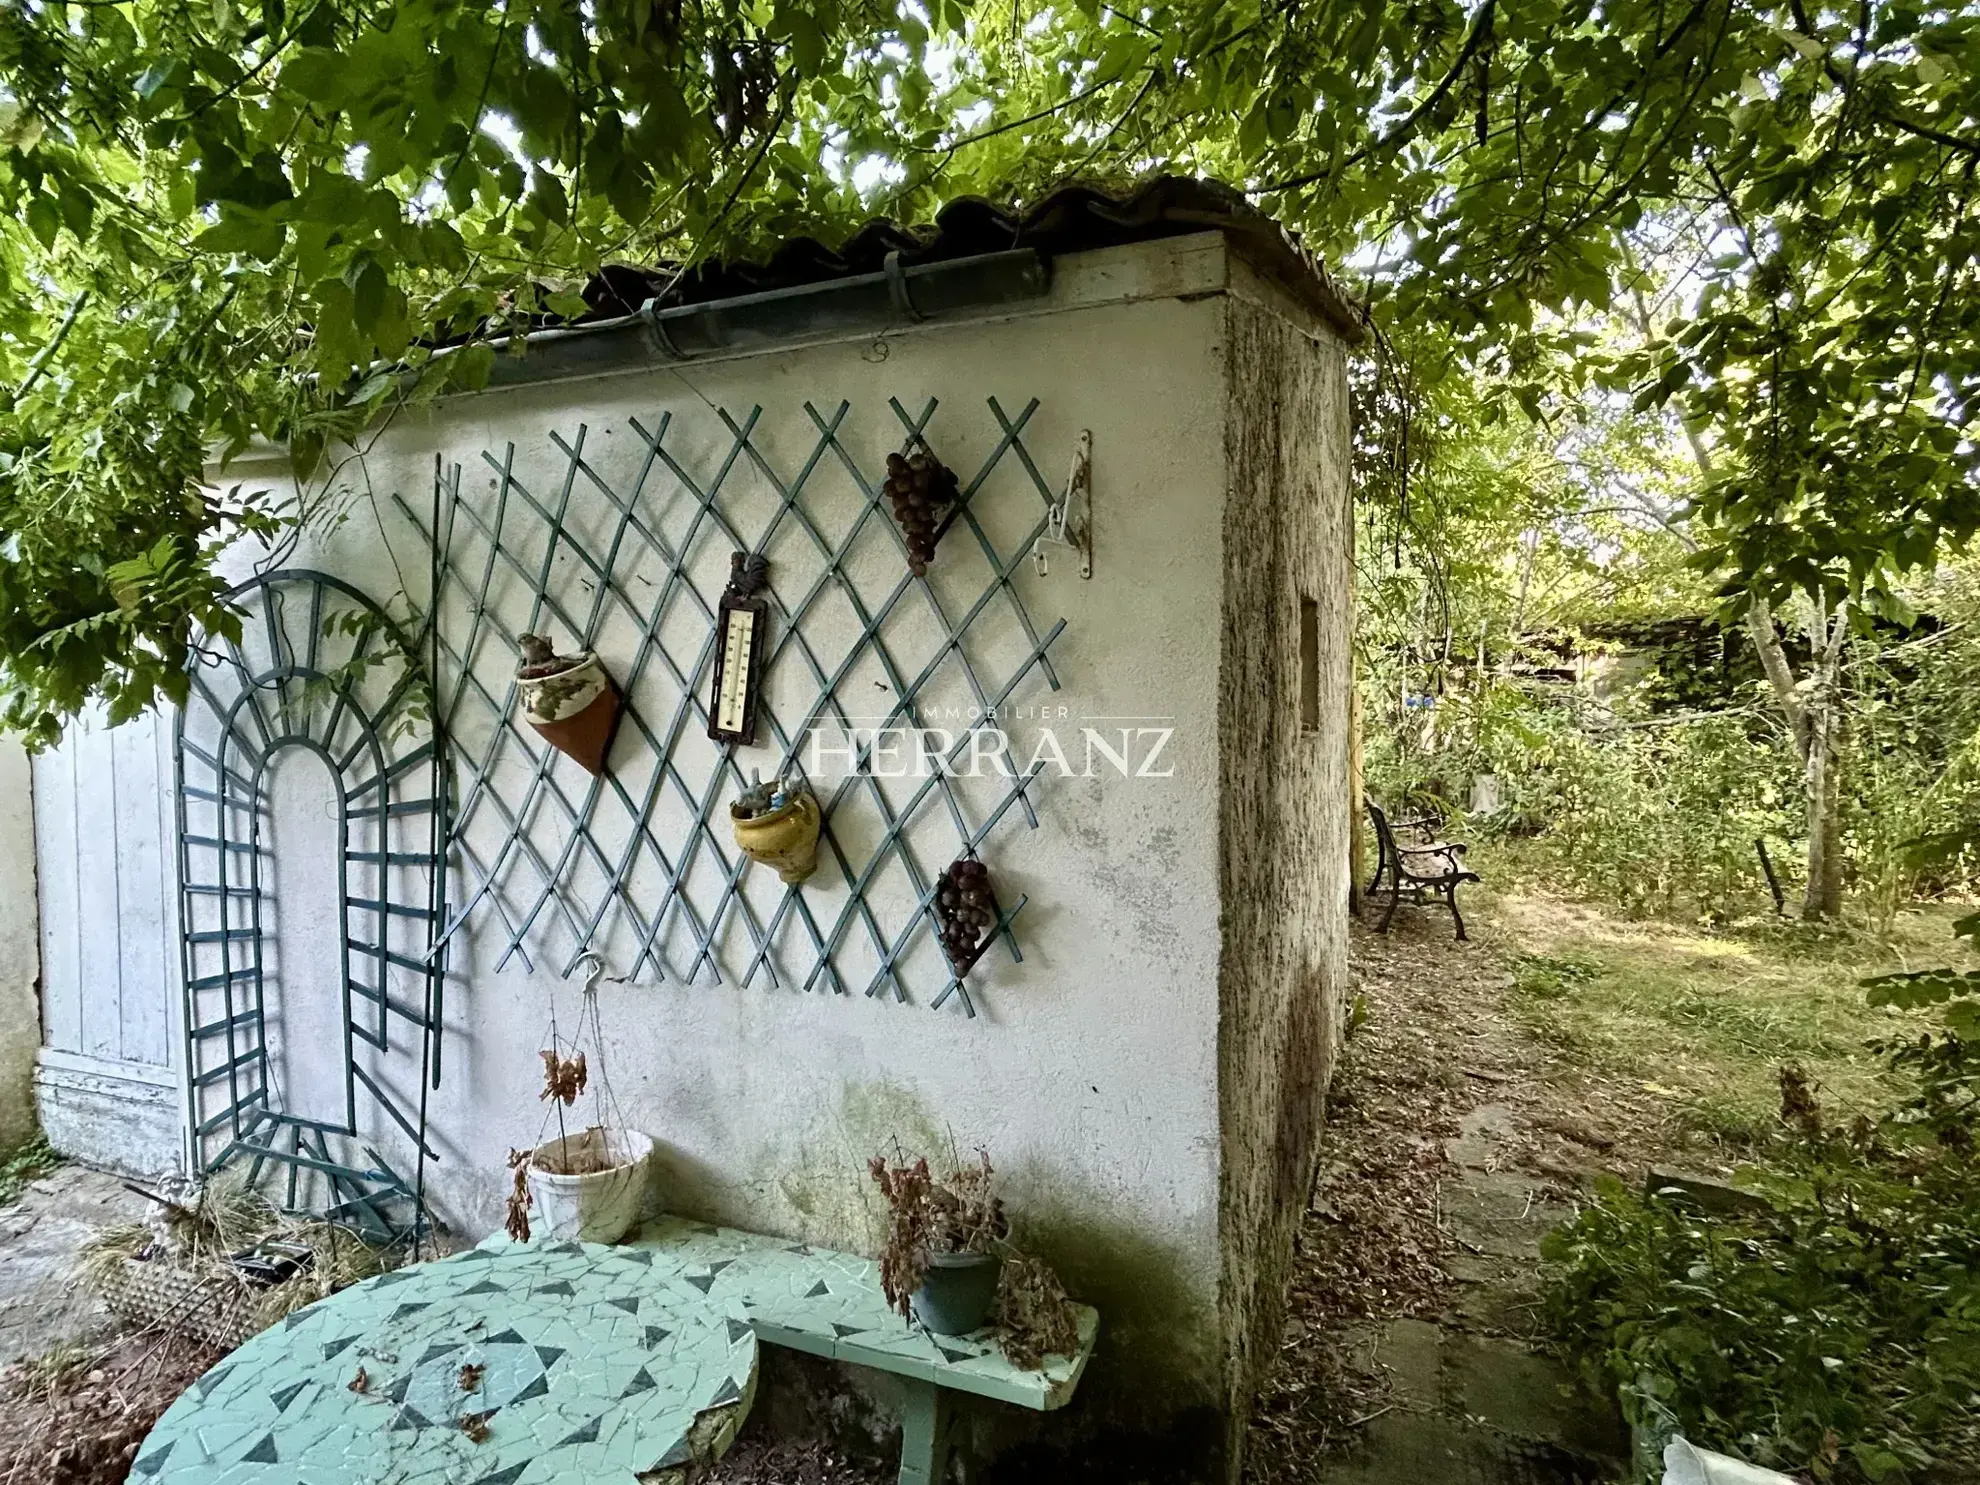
x=1656, y=818
x=1658, y=813
x=1834, y=1326
x=1834, y=1330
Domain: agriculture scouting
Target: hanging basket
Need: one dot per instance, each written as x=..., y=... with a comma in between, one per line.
x=575, y=709
x=589, y=1187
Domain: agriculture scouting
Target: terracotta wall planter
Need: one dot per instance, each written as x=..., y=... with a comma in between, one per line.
x=575, y=709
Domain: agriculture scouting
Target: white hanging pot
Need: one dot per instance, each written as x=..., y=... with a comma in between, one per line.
x=589, y=1187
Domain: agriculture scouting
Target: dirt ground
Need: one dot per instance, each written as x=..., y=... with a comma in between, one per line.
x=77, y=1413
x=1456, y=1140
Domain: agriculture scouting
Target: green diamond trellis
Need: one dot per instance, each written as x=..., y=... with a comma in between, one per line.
x=638, y=862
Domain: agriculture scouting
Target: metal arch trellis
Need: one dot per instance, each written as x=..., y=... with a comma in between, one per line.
x=350, y=690
x=474, y=548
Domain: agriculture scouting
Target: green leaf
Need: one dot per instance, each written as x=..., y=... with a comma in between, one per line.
x=470, y=366
x=249, y=235
x=368, y=285
x=375, y=386
x=547, y=196
x=44, y=219
x=316, y=75
x=305, y=452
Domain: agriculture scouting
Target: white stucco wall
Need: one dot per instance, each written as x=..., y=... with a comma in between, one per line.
x=1090, y=1072
x=20, y=947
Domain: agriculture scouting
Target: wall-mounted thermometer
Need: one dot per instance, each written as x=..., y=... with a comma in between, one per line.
x=742, y=627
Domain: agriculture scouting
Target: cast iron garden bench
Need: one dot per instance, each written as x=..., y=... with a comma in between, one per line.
x=1428, y=865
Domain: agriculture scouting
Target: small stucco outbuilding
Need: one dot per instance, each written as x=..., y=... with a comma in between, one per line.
x=1152, y=761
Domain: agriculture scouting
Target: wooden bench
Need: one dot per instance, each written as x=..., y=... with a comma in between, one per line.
x=1427, y=865
x=830, y=1304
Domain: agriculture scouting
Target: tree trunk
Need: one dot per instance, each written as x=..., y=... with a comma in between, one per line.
x=1822, y=898
x=1822, y=726
x=1780, y=675
x=1814, y=719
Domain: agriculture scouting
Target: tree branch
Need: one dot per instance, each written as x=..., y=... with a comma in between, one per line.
x=44, y=356
x=1481, y=27
x=1806, y=27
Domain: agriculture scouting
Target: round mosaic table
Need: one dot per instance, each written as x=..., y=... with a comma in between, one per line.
x=594, y=1366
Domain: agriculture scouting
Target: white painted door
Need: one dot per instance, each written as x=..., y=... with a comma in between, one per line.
x=108, y=1084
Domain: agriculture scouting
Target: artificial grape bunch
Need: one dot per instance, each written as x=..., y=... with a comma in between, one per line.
x=967, y=910
x=921, y=489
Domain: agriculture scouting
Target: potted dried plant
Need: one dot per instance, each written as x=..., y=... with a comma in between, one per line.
x=588, y=1185
x=941, y=1257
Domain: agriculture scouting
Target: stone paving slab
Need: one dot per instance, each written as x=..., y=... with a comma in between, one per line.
x=1470, y=1403
x=42, y=1303
x=1414, y=1449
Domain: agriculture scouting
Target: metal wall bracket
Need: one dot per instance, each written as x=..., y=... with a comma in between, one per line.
x=1069, y=519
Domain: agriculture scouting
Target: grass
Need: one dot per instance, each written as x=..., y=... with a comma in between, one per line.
x=1706, y=1017
x=29, y=1161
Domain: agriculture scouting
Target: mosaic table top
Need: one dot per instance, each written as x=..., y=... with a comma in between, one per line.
x=830, y=1304
x=596, y=1364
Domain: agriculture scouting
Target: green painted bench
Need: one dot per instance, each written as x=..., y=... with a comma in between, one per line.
x=830, y=1304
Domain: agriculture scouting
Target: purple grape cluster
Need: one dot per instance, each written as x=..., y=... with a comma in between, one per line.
x=966, y=909
x=921, y=489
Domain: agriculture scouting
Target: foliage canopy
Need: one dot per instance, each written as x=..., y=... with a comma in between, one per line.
x=230, y=222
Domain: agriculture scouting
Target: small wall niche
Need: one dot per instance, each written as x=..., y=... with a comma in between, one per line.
x=1309, y=665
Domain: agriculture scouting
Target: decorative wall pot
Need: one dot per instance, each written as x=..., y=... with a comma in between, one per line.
x=958, y=1293
x=572, y=704
x=785, y=837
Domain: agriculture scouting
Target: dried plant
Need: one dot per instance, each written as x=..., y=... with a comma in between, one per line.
x=957, y=1214
x=360, y=1381
x=517, y=1225
x=475, y=1425
x=471, y=1374
x=563, y=1077
x=214, y=1232
x=1035, y=1319
x=1799, y=1110
x=41, y=1377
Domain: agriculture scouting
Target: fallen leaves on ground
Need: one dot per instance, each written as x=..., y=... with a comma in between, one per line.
x=759, y=1461
x=1371, y=1248
x=1435, y=1041
x=80, y=1422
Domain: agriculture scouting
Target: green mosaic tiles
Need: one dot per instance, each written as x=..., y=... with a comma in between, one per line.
x=830, y=1304
x=596, y=1364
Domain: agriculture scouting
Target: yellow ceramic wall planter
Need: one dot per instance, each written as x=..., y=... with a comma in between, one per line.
x=785, y=838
